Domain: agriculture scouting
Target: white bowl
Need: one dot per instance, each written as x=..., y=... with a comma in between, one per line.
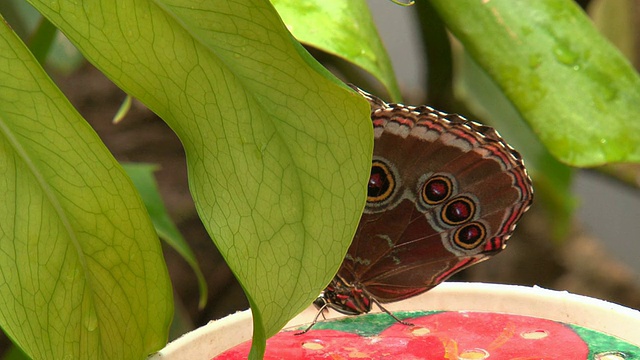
x=609, y=318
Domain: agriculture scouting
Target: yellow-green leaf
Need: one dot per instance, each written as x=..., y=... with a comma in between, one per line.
x=81, y=269
x=278, y=150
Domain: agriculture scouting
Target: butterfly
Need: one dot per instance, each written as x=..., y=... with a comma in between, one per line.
x=444, y=193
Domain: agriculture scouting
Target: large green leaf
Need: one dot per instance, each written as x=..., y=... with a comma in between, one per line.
x=278, y=151
x=577, y=92
x=81, y=270
x=342, y=28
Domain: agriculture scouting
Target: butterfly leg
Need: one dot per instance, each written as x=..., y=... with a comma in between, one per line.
x=389, y=312
x=315, y=319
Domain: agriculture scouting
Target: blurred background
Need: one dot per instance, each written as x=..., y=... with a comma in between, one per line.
x=605, y=209
x=598, y=253
x=601, y=254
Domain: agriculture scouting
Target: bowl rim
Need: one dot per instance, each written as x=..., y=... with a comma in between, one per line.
x=561, y=306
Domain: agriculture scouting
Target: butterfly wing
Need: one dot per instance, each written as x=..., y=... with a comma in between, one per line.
x=449, y=197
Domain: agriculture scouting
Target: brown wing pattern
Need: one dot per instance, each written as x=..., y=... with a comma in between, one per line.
x=444, y=193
